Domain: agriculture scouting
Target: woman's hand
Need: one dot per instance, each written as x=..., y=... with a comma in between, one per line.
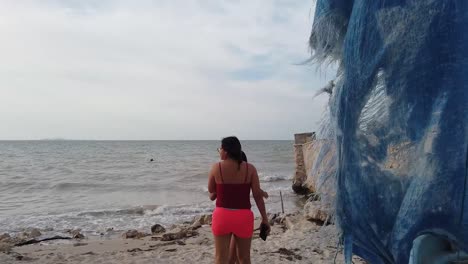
x=212, y=196
x=267, y=223
x=265, y=194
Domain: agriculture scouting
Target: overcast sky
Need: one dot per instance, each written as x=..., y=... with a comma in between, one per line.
x=161, y=69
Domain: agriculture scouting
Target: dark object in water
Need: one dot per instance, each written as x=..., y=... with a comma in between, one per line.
x=151, y=160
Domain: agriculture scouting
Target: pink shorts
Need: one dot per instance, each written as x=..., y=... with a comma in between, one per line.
x=239, y=222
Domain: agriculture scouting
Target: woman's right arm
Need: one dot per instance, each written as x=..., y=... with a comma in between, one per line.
x=212, y=184
x=258, y=196
x=213, y=196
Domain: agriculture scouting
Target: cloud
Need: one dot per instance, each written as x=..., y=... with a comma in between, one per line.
x=145, y=69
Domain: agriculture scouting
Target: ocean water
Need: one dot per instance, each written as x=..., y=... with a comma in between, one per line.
x=96, y=185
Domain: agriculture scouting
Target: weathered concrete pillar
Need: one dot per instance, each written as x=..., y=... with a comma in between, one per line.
x=300, y=175
x=303, y=138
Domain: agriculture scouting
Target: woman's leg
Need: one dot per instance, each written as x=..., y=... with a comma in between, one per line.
x=222, y=249
x=243, y=249
x=233, y=251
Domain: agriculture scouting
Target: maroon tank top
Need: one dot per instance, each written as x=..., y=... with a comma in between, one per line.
x=233, y=195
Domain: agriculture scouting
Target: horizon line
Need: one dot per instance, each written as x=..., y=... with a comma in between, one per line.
x=291, y=139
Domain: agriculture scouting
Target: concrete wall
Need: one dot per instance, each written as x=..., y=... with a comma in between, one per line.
x=315, y=165
x=300, y=175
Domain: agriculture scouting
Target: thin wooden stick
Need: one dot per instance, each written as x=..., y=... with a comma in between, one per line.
x=34, y=241
x=282, y=205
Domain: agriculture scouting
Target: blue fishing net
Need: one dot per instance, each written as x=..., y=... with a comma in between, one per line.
x=399, y=118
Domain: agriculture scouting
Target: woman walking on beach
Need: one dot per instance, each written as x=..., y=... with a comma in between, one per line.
x=233, y=258
x=231, y=180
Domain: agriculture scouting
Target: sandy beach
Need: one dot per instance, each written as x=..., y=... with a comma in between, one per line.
x=293, y=239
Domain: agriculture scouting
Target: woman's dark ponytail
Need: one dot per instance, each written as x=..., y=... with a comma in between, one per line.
x=239, y=160
x=244, y=157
